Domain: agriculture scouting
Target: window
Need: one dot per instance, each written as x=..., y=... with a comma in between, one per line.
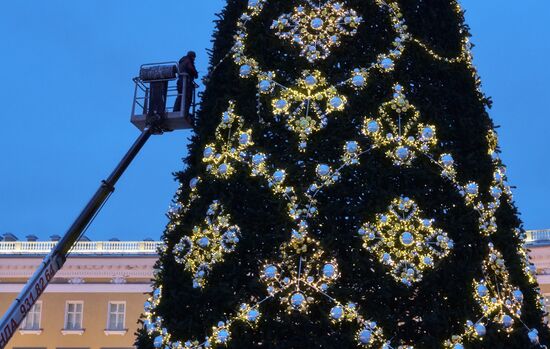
x=31, y=322
x=73, y=315
x=117, y=312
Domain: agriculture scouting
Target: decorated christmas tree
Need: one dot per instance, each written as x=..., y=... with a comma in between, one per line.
x=344, y=190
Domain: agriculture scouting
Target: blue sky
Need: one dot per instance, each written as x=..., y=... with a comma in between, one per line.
x=66, y=91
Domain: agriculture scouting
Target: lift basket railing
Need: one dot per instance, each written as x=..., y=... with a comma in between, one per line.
x=157, y=100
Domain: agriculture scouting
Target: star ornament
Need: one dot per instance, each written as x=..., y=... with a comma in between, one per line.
x=317, y=28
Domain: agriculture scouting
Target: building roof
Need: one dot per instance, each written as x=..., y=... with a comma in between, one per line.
x=538, y=237
x=81, y=248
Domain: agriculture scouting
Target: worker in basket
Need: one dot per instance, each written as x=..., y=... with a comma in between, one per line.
x=186, y=65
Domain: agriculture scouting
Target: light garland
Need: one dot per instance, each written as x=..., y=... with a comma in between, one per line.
x=465, y=54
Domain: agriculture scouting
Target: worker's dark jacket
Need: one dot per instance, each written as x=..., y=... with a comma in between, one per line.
x=186, y=65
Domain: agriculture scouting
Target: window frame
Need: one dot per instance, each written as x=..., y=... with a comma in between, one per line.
x=23, y=326
x=66, y=322
x=109, y=325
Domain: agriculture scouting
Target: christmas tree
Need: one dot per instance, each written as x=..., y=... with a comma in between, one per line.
x=344, y=190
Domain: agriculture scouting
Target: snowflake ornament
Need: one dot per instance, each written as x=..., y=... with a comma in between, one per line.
x=306, y=105
x=317, y=28
x=404, y=241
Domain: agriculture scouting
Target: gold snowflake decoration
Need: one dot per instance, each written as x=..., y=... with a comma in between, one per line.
x=303, y=271
x=229, y=146
x=498, y=299
x=307, y=105
x=207, y=244
x=397, y=129
x=317, y=27
x=404, y=242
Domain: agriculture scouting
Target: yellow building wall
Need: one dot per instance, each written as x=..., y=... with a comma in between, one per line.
x=94, y=321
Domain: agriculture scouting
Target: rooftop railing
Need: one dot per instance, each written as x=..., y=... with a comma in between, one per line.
x=538, y=236
x=82, y=247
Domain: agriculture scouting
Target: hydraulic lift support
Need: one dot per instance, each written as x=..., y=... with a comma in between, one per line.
x=150, y=122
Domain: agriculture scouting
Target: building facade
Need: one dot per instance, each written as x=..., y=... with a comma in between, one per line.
x=539, y=245
x=95, y=301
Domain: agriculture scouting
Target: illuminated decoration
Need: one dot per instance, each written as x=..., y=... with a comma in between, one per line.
x=359, y=78
x=404, y=242
x=258, y=164
x=305, y=103
x=352, y=151
x=222, y=155
x=317, y=28
x=179, y=209
x=266, y=82
x=340, y=311
x=207, y=245
x=446, y=162
x=294, y=281
x=470, y=191
x=397, y=129
x=249, y=314
x=255, y=6
x=529, y=268
x=303, y=273
x=499, y=301
x=369, y=336
x=305, y=107
x=305, y=29
x=220, y=158
x=327, y=176
x=221, y=335
x=465, y=55
x=492, y=140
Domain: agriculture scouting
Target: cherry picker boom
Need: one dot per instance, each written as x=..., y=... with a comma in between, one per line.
x=154, y=90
